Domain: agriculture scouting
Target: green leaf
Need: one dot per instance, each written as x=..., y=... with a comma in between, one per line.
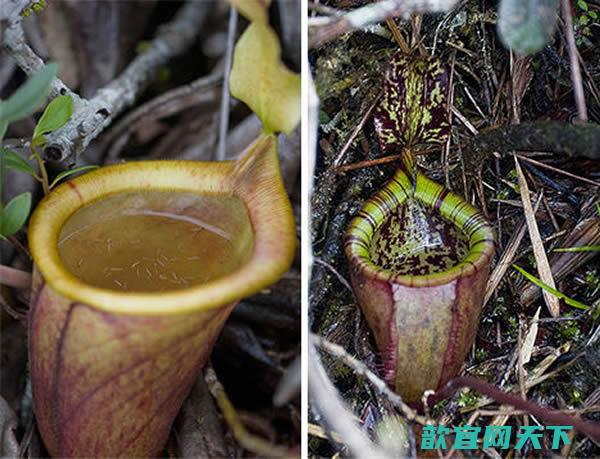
x=553, y=291
x=15, y=162
x=30, y=96
x=583, y=5
x=70, y=172
x=3, y=127
x=527, y=26
x=57, y=113
x=581, y=248
x=261, y=80
x=15, y=214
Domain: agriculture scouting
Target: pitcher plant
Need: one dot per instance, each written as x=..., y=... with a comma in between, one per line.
x=111, y=368
x=138, y=265
x=419, y=254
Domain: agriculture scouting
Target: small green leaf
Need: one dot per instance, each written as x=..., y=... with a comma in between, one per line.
x=15, y=214
x=15, y=162
x=70, y=172
x=55, y=116
x=30, y=96
x=526, y=26
x=582, y=4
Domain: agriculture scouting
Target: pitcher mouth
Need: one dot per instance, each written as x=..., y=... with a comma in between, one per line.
x=263, y=194
x=450, y=206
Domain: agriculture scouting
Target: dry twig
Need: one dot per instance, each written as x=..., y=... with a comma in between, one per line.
x=337, y=161
x=225, y=97
x=246, y=440
x=362, y=370
x=575, y=69
x=167, y=104
x=371, y=14
x=327, y=402
x=549, y=416
x=557, y=170
x=90, y=117
x=507, y=258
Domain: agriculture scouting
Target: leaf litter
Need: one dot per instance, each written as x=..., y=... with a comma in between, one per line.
x=557, y=363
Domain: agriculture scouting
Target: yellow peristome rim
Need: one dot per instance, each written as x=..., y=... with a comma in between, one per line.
x=254, y=178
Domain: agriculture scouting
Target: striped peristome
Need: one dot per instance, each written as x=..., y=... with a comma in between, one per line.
x=397, y=192
x=424, y=322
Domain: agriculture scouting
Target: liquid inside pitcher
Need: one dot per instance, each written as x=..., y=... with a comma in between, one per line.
x=415, y=240
x=156, y=240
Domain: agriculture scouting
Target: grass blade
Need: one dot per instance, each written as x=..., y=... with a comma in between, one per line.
x=553, y=291
x=582, y=248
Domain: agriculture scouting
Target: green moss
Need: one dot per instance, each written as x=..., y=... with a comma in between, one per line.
x=569, y=330
x=467, y=399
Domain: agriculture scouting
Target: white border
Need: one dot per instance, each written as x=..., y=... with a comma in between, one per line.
x=305, y=238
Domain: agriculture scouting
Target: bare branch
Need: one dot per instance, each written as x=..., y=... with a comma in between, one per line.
x=10, y=13
x=91, y=117
x=288, y=387
x=361, y=369
x=371, y=14
x=173, y=101
x=549, y=416
x=327, y=402
x=10, y=10
x=247, y=440
x=15, y=44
